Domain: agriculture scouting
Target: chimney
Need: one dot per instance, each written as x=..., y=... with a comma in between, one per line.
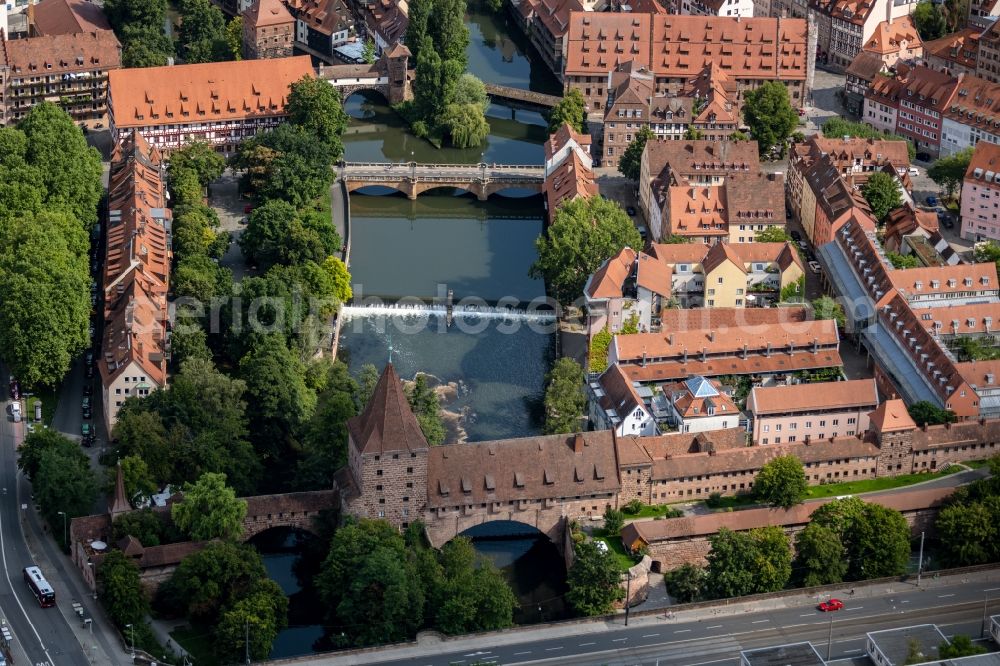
x=815, y=345
x=711, y=336
x=644, y=358
x=578, y=443
x=670, y=339
x=768, y=352
x=704, y=354
x=888, y=12
x=744, y=351
x=685, y=355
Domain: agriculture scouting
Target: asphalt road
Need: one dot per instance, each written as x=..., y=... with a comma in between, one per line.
x=956, y=608
x=41, y=632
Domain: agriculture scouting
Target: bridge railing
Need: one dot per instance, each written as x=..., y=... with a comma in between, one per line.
x=435, y=167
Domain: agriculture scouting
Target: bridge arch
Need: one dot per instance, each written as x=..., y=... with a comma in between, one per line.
x=295, y=510
x=442, y=527
x=413, y=179
x=348, y=91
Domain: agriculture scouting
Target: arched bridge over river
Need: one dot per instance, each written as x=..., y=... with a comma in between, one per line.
x=413, y=179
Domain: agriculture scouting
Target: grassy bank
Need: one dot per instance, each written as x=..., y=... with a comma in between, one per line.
x=871, y=485
x=615, y=548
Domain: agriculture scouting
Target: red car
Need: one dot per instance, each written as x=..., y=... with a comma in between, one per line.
x=831, y=605
x=248, y=209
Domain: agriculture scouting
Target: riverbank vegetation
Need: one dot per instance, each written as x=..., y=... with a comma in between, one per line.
x=584, y=234
x=448, y=103
x=564, y=398
x=969, y=526
x=382, y=586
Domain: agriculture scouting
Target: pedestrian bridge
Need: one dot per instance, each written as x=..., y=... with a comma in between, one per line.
x=521, y=98
x=413, y=179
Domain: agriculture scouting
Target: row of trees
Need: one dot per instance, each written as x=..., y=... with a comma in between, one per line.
x=447, y=101
x=381, y=586
x=845, y=540
x=50, y=185
x=968, y=528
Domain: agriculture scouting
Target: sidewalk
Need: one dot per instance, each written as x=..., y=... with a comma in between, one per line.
x=431, y=644
x=99, y=640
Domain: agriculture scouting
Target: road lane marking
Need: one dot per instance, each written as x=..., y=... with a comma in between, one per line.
x=759, y=621
x=905, y=601
x=945, y=596
x=682, y=631
x=855, y=650
x=649, y=635
x=854, y=608
x=517, y=654
x=807, y=614
x=714, y=626
x=586, y=644
x=551, y=649
x=6, y=574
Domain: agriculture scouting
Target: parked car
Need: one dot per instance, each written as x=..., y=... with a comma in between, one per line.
x=814, y=266
x=88, y=388
x=914, y=171
x=85, y=407
x=15, y=411
x=948, y=223
x=87, y=414
x=933, y=200
x=796, y=236
x=89, y=440
x=89, y=357
x=630, y=210
x=86, y=430
x=14, y=387
x=248, y=209
x=831, y=605
x=802, y=244
x=89, y=371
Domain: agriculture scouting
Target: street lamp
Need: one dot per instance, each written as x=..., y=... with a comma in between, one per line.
x=65, y=532
x=413, y=166
x=131, y=631
x=986, y=601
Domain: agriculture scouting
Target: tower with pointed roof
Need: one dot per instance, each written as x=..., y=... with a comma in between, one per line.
x=268, y=30
x=893, y=428
x=119, y=503
x=387, y=456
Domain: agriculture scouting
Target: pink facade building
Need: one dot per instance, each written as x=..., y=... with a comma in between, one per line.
x=804, y=412
x=981, y=194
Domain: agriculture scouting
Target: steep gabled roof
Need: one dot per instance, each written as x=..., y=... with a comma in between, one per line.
x=891, y=416
x=388, y=424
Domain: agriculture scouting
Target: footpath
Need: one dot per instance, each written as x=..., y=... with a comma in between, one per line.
x=430, y=644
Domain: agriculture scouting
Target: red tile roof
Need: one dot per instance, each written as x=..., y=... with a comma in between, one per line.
x=754, y=364
x=927, y=87
x=53, y=55
x=962, y=319
x=960, y=48
x=609, y=280
x=572, y=179
x=892, y=416
x=273, y=12
x=208, y=92
x=812, y=396
x=620, y=395
x=891, y=37
x=387, y=425
x=563, y=136
x=985, y=158
x=65, y=17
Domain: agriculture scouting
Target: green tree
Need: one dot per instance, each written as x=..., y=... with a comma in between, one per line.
x=368, y=52
x=781, y=482
x=340, y=277
x=769, y=115
x=470, y=90
x=36, y=443
x=930, y=21
x=738, y=136
x=584, y=234
x=882, y=194
x=144, y=525
x=966, y=532
x=741, y=563
x=465, y=124
x=416, y=27
x=188, y=341
x=571, y=110
x=252, y=623
x=594, y=581
x=209, y=509
x=903, y=260
x=139, y=483
x=949, y=172
x=203, y=36
x=793, y=292
x=630, y=163
x=987, y=251
x=877, y=539
x=959, y=646
x=324, y=440
x=692, y=133
x=685, y=583
x=464, y=593
x=120, y=589
x=64, y=487
x=597, y=355
x=772, y=234
x=367, y=379
x=212, y=579
x=146, y=48
x=826, y=307
x=286, y=163
x=315, y=105
x=277, y=234
x=275, y=380
x=450, y=34
x=564, y=398
x=614, y=521
x=820, y=556
x=70, y=169
x=427, y=409
x=926, y=413
x=200, y=158
x=234, y=38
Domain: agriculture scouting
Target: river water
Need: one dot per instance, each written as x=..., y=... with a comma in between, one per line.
x=448, y=240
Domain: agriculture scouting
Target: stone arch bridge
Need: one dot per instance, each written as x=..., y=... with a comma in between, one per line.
x=413, y=179
x=297, y=510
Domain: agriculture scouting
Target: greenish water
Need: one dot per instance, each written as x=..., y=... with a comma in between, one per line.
x=500, y=53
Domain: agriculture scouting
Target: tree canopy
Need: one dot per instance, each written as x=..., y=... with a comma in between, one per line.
x=315, y=106
x=585, y=234
x=837, y=127
x=781, y=482
x=427, y=409
x=564, y=398
x=741, y=563
x=949, y=172
x=631, y=161
x=882, y=194
x=209, y=509
x=201, y=159
x=826, y=307
x=594, y=581
x=139, y=24
x=769, y=115
x=930, y=21
x=772, y=234
x=203, y=35
x=820, y=556
x=120, y=589
x=571, y=110
x=876, y=539
x=926, y=413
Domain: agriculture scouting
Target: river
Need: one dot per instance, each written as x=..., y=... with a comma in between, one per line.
x=448, y=240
